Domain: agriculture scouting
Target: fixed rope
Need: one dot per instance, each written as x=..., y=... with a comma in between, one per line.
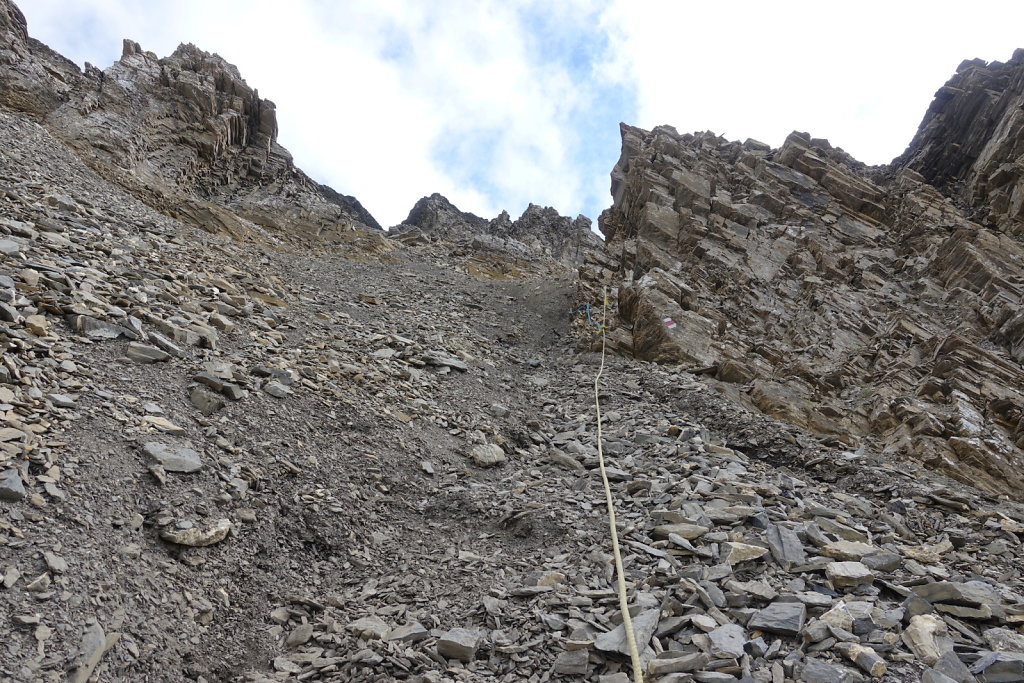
x=585, y=307
x=627, y=620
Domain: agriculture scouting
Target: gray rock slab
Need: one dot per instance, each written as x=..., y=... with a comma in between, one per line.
x=166, y=344
x=409, y=633
x=1004, y=640
x=300, y=636
x=933, y=676
x=61, y=400
x=174, y=458
x=644, y=626
x=620, y=677
x=971, y=593
x=952, y=667
x=9, y=248
x=883, y=561
x=786, y=547
x=487, y=455
x=370, y=628
x=844, y=574
x=145, y=354
x=682, y=529
x=676, y=662
x=999, y=667
x=727, y=641
x=276, y=389
x=460, y=644
x=11, y=488
x=818, y=671
x=784, y=618
x=572, y=662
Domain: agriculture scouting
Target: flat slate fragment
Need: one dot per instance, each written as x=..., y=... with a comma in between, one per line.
x=784, y=618
x=644, y=626
x=174, y=458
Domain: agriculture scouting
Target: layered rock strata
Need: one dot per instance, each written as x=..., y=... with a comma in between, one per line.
x=971, y=142
x=856, y=302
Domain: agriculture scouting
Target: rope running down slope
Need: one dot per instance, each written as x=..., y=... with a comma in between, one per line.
x=627, y=621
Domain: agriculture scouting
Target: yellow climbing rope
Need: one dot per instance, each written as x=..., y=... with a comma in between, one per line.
x=627, y=621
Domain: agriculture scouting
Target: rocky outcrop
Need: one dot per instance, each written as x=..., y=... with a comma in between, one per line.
x=33, y=78
x=545, y=230
x=541, y=232
x=971, y=142
x=435, y=217
x=860, y=303
x=185, y=133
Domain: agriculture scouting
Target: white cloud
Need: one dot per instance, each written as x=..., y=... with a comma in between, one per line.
x=389, y=101
x=861, y=74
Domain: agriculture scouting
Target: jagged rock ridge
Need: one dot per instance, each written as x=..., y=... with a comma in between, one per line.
x=185, y=133
x=860, y=303
x=541, y=232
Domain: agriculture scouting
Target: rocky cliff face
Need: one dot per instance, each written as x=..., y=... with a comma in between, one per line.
x=971, y=142
x=868, y=305
x=257, y=460
x=541, y=233
x=185, y=133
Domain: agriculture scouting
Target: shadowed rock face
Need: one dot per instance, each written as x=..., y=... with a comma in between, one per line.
x=184, y=133
x=33, y=78
x=971, y=141
x=860, y=303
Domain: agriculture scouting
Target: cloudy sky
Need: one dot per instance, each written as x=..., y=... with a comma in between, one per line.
x=498, y=103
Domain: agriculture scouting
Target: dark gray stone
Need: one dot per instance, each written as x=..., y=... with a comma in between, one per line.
x=933, y=676
x=727, y=641
x=670, y=662
x=572, y=662
x=644, y=625
x=884, y=561
x=11, y=488
x=784, y=618
x=818, y=671
x=786, y=547
x=999, y=667
x=951, y=666
x=971, y=593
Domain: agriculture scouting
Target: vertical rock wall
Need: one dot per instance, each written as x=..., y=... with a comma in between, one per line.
x=971, y=141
